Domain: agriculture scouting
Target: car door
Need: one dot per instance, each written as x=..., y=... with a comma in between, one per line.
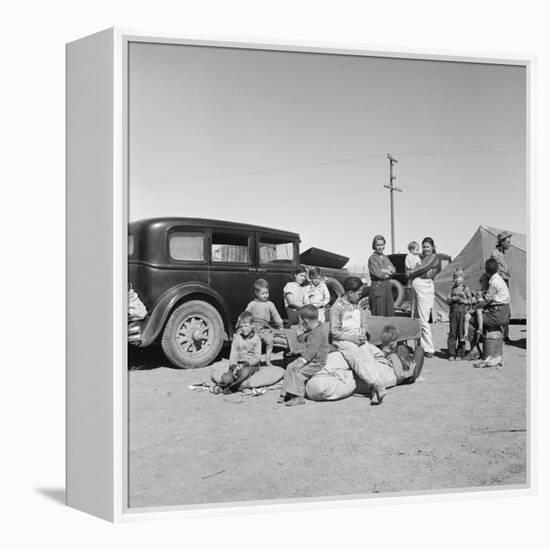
x=277, y=260
x=232, y=269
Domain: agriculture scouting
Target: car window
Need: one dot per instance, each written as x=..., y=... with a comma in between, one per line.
x=230, y=248
x=187, y=246
x=130, y=245
x=276, y=251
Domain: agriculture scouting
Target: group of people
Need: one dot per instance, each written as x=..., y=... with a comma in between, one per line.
x=420, y=268
x=347, y=333
x=471, y=313
x=307, y=298
x=474, y=313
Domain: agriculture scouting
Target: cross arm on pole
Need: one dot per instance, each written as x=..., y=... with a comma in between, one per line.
x=391, y=187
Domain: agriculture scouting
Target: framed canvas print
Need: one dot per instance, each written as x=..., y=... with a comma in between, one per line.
x=305, y=270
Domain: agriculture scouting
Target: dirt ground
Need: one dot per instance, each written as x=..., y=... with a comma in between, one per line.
x=458, y=426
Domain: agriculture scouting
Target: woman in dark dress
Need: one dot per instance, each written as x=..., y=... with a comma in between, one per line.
x=380, y=271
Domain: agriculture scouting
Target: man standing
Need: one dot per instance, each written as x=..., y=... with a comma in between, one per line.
x=504, y=240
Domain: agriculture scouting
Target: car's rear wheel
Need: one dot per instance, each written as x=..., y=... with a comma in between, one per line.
x=193, y=335
x=398, y=292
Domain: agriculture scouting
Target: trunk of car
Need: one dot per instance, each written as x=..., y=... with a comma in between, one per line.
x=323, y=258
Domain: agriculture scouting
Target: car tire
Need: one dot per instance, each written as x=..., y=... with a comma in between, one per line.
x=364, y=304
x=398, y=292
x=335, y=289
x=193, y=335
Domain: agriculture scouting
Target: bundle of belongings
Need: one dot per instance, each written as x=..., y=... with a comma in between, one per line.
x=242, y=376
x=136, y=313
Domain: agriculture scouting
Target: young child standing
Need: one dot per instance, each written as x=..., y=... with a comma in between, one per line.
x=317, y=293
x=412, y=260
x=312, y=359
x=459, y=301
x=265, y=316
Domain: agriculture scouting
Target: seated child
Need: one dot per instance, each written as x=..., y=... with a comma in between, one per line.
x=265, y=316
x=406, y=365
x=348, y=330
x=244, y=358
x=311, y=361
x=412, y=260
x=459, y=300
x=317, y=293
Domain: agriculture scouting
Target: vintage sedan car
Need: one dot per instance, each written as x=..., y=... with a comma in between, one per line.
x=195, y=276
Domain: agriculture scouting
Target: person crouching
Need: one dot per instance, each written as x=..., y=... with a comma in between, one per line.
x=312, y=359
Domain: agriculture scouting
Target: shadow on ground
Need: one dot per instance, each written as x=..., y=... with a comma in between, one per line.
x=57, y=494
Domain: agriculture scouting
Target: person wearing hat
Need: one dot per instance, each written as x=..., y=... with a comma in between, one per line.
x=504, y=241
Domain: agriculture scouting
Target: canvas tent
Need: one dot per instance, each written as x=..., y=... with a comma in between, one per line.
x=472, y=260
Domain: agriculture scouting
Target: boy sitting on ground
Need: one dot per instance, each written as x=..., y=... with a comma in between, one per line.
x=312, y=359
x=245, y=355
x=265, y=315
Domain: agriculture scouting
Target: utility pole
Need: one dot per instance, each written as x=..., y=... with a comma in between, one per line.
x=392, y=188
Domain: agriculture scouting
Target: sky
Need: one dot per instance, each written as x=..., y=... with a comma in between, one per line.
x=298, y=141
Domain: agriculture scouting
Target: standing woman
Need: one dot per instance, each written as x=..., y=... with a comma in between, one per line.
x=380, y=271
x=423, y=286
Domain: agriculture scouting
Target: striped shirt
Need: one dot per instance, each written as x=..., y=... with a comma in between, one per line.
x=428, y=269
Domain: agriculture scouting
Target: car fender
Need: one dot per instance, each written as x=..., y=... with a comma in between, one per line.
x=171, y=298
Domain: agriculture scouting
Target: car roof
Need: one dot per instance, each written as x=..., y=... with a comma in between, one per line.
x=167, y=223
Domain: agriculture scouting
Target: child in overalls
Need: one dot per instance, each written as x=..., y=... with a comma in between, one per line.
x=459, y=301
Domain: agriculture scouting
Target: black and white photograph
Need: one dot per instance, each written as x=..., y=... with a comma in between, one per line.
x=327, y=263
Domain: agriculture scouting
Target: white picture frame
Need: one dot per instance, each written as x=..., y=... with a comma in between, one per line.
x=97, y=217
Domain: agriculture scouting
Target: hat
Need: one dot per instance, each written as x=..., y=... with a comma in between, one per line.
x=503, y=236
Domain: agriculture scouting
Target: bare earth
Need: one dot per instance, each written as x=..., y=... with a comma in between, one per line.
x=456, y=427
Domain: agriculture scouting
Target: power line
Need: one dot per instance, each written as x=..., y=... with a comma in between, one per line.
x=344, y=160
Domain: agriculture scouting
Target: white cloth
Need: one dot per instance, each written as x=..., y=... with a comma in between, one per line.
x=498, y=290
x=299, y=292
x=425, y=295
x=412, y=260
x=318, y=295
